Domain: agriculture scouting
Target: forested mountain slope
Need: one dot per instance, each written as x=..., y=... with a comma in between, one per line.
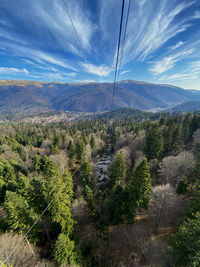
x=128, y=184
x=29, y=97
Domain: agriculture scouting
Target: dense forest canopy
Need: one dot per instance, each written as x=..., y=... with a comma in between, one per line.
x=127, y=181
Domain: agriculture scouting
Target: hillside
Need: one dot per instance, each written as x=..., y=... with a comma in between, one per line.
x=29, y=97
x=188, y=106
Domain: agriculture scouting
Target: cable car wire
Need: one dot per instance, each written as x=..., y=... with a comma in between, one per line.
x=117, y=58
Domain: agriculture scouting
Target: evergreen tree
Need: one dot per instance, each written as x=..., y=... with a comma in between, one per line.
x=154, y=143
x=84, y=138
x=92, y=142
x=116, y=204
x=140, y=184
x=80, y=149
x=197, y=167
x=64, y=251
x=19, y=215
x=71, y=153
x=36, y=163
x=89, y=197
x=86, y=173
x=186, y=128
x=119, y=170
x=185, y=243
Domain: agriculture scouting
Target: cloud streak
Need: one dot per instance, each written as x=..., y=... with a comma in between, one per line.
x=101, y=71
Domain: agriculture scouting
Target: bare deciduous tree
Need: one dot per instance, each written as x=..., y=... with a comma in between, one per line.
x=172, y=168
x=23, y=256
x=164, y=203
x=154, y=252
x=61, y=160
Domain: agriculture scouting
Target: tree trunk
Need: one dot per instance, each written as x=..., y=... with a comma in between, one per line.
x=47, y=233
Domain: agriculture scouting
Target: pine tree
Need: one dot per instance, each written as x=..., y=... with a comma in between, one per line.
x=92, y=142
x=64, y=251
x=154, y=143
x=71, y=153
x=80, y=149
x=84, y=138
x=141, y=184
x=119, y=170
x=185, y=243
x=86, y=173
x=186, y=128
x=19, y=215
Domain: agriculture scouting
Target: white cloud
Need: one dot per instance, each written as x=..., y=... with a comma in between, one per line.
x=168, y=62
x=179, y=44
x=178, y=76
x=25, y=71
x=97, y=70
x=125, y=71
x=54, y=17
x=196, y=15
x=40, y=56
x=151, y=26
x=12, y=71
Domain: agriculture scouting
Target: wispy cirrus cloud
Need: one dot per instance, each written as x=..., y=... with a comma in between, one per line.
x=168, y=62
x=12, y=71
x=178, y=76
x=151, y=26
x=101, y=71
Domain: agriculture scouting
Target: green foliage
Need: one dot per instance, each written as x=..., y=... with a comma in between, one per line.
x=72, y=153
x=92, y=142
x=19, y=215
x=60, y=189
x=119, y=170
x=154, y=143
x=49, y=167
x=185, y=243
x=116, y=205
x=36, y=160
x=86, y=173
x=140, y=184
x=6, y=170
x=65, y=251
x=80, y=149
x=54, y=149
x=89, y=197
x=183, y=187
x=84, y=138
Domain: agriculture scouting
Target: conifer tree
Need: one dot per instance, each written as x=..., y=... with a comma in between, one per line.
x=154, y=143
x=119, y=170
x=86, y=173
x=71, y=153
x=19, y=215
x=92, y=142
x=185, y=243
x=84, y=138
x=141, y=184
x=80, y=149
x=64, y=251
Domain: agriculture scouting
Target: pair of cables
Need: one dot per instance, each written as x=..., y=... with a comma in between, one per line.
x=119, y=63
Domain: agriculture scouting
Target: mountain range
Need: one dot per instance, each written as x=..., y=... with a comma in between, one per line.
x=17, y=96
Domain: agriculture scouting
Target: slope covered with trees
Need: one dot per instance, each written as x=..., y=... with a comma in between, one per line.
x=79, y=193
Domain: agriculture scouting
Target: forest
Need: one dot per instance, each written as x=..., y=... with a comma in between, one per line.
x=122, y=189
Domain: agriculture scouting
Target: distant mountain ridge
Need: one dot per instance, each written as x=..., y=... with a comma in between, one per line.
x=33, y=96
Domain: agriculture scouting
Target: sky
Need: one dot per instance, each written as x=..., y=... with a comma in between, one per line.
x=37, y=41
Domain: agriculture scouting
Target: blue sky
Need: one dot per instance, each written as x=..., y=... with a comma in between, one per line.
x=37, y=41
